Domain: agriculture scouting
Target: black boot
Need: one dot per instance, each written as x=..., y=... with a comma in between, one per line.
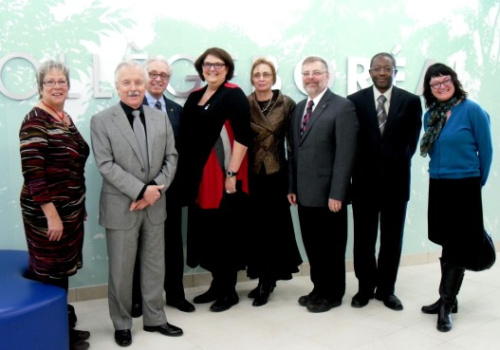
x=451, y=280
x=254, y=292
x=265, y=290
x=433, y=309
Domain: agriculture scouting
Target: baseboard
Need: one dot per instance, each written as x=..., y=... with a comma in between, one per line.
x=204, y=278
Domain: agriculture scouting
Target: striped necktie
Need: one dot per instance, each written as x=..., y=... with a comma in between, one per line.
x=306, y=117
x=381, y=114
x=158, y=105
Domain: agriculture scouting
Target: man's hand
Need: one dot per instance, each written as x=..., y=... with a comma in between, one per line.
x=152, y=194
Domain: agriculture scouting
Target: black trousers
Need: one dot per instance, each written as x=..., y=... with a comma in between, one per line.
x=324, y=234
x=174, y=260
x=371, y=272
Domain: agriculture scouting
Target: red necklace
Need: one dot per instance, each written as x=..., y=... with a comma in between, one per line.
x=60, y=117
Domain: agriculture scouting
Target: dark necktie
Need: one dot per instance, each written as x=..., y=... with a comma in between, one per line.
x=158, y=105
x=140, y=135
x=306, y=117
x=381, y=114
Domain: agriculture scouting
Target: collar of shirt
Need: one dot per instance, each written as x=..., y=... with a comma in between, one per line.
x=315, y=100
x=152, y=100
x=128, y=112
x=387, y=95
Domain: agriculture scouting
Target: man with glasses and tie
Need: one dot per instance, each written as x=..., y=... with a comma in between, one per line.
x=323, y=133
x=135, y=153
x=390, y=119
x=159, y=74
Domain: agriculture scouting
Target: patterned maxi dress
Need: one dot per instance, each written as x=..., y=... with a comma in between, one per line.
x=53, y=158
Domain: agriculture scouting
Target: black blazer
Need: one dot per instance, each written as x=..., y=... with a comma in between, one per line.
x=383, y=162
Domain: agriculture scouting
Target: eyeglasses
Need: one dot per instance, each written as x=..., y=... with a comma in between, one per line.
x=216, y=66
x=382, y=69
x=52, y=83
x=264, y=75
x=315, y=73
x=163, y=76
x=447, y=82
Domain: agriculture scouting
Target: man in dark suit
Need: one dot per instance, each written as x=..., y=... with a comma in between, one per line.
x=134, y=149
x=323, y=146
x=159, y=73
x=381, y=179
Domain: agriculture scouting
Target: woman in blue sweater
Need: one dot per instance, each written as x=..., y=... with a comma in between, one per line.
x=458, y=140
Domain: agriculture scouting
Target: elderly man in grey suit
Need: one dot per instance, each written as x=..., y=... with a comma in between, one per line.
x=135, y=153
x=323, y=133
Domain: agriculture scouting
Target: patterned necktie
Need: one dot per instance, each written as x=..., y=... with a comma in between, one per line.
x=140, y=135
x=158, y=105
x=306, y=117
x=381, y=114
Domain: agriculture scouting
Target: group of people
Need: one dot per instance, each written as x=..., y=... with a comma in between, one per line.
x=238, y=162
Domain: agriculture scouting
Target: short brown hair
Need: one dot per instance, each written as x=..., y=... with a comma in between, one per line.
x=219, y=53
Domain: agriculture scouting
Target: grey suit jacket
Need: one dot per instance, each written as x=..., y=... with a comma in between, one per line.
x=120, y=163
x=320, y=163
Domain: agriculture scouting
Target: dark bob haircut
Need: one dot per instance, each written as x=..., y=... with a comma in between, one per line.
x=439, y=70
x=219, y=53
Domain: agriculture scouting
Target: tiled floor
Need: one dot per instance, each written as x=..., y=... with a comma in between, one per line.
x=283, y=325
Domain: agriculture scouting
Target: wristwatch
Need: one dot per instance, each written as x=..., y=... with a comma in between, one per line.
x=230, y=173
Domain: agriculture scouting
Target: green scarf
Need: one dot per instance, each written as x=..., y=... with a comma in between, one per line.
x=435, y=124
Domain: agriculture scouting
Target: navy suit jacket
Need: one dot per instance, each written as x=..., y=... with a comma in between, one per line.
x=174, y=111
x=383, y=162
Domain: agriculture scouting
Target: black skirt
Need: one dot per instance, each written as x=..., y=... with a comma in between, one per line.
x=455, y=218
x=272, y=248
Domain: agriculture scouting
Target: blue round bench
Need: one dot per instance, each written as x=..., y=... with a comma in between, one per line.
x=33, y=315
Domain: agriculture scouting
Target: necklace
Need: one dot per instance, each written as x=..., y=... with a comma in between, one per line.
x=266, y=108
x=60, y=117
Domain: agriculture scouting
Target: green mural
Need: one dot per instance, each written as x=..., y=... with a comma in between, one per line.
x=93, y=36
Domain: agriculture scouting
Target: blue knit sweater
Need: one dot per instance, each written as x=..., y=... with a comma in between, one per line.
x=464, y=147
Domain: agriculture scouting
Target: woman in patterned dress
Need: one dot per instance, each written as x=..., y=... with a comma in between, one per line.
x=53, y=155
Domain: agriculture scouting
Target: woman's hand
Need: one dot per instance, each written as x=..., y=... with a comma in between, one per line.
x=54, y=228
x=54, y=223
x=230, y=184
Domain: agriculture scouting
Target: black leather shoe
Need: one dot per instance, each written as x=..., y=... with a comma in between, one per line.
x=123, y=337
x=182, y=305
x=83, y=345
x=360, y=300
x=225, y=303
x=391, y=301
x=206, y=297
x=136, y=310
x=76, y=336
x=306, y=299
x=322, y=305
x=165, y=329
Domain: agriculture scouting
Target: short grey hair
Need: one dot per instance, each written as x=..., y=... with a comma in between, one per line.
x=46, y=67
x=158, y=59
x=128, y=64
x=312, y=59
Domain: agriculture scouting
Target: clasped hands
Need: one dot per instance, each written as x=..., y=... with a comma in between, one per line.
x=150, y=196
